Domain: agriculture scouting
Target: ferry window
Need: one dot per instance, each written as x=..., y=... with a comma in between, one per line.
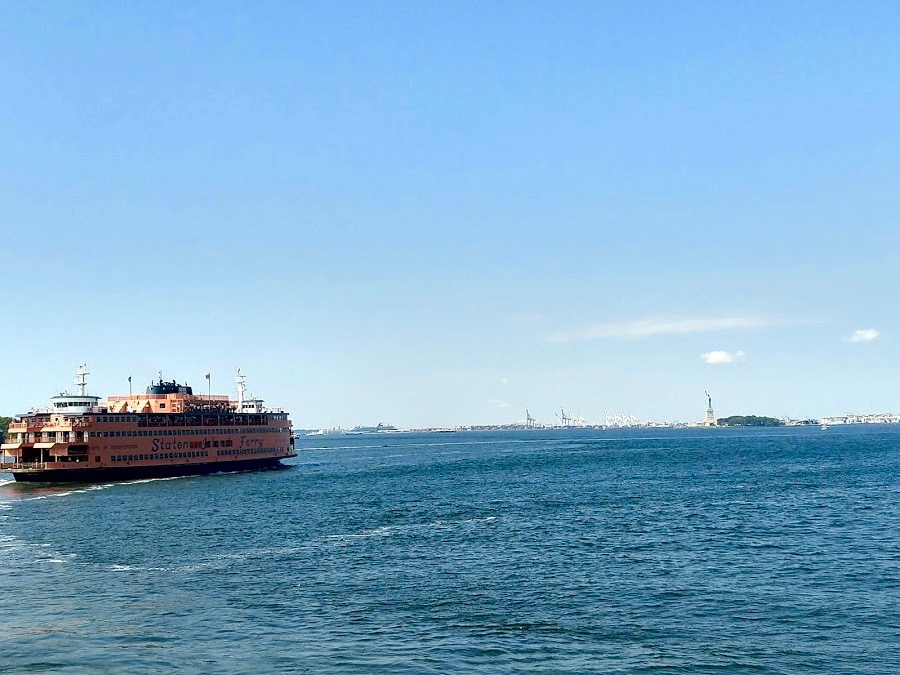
x=162, y=405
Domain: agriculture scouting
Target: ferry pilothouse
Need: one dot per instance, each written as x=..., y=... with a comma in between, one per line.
x=166, y=431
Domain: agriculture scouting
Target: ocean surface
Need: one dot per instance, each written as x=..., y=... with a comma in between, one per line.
x=759, y=551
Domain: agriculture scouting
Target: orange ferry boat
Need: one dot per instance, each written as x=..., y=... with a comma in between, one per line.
x=167, y=431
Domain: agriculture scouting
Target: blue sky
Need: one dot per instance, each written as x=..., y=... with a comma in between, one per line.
x=440, y=213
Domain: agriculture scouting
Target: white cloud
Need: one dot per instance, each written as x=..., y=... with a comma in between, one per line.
x=651, y=327
x=504, y=380
x=718, y=357
x=864, y=335
x=500, y=403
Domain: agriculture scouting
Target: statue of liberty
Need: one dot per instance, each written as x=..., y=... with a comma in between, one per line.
x=708, y=399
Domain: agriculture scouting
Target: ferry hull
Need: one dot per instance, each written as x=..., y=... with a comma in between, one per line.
x=118, y=473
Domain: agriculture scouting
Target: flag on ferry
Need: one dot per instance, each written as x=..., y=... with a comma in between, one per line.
x=207, y=376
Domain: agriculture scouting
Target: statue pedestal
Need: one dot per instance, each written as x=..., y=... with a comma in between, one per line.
x=710, y=420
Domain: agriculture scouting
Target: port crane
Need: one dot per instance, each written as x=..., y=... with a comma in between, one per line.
x=564, y=420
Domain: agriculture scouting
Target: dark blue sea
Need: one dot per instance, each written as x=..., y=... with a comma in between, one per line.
x=758, y=551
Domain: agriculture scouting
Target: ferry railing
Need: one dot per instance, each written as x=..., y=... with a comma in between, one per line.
x=12, y=466
x=28, y=466
x=26, y=427
x=164, y=397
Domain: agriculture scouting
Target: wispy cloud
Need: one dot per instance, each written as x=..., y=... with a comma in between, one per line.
x=632, y=330
x=500, y=403
x=719, y=357
x=864, y=335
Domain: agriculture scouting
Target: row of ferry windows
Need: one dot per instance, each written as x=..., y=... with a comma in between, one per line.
x=193, y=454
x=158, y=455
x=109, y=419
x=247, y=451
x=180, y=432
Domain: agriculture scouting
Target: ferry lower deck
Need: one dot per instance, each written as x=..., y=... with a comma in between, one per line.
x=90, y=474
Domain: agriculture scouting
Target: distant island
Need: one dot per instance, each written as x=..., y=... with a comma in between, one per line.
x=749, y=421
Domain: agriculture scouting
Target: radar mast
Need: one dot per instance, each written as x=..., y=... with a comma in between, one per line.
x=81, y=373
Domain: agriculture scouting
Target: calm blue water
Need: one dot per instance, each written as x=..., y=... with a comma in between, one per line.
x=664, y=551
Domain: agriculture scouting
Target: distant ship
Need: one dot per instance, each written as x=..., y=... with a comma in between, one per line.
x=359, y=429
x=166, y=431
